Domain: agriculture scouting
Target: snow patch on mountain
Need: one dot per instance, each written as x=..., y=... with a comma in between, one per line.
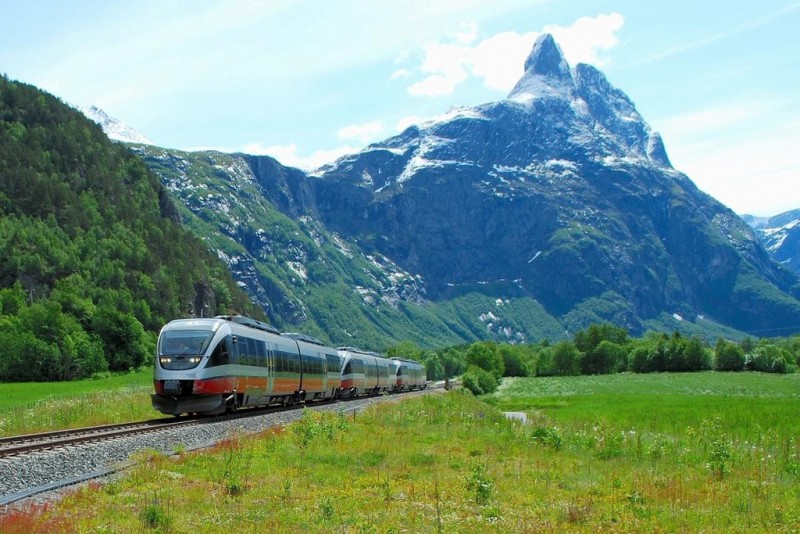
x=114, y=128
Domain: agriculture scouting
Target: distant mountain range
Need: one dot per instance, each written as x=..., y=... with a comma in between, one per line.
x=526, y=218
x=780, y=235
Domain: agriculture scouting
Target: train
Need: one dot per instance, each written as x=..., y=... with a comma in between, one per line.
x=210, y=366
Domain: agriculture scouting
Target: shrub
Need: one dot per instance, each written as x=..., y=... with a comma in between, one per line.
x=484, y=354
x=768, y=359
x=479, y=381
x=729, y=356
x=603, y=359
x=545, y=366
x=566, y=359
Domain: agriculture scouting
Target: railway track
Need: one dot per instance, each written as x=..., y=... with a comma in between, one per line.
x=30, y=443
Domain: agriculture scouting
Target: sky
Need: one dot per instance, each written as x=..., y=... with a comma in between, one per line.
x=308, y=81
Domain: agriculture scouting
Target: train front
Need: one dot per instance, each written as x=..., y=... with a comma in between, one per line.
x=188, y=354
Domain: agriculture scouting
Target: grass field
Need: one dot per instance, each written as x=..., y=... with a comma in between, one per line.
x=703, y=452
x=39, y=406
x=746, y=405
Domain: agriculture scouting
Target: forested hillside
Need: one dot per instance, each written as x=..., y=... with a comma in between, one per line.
x=93, y=259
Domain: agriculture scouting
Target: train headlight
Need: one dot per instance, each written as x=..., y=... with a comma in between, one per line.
x=165, y=360
x=195, y=360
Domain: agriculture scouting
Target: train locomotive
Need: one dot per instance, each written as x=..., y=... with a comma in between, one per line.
x=217, y=365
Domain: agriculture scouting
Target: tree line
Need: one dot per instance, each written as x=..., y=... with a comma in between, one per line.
x=601, y=349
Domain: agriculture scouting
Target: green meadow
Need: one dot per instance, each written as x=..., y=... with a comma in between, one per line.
x=708, y=452
x=40, y=406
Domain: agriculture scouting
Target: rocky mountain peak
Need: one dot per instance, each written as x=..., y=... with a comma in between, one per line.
x=546, y=59
x=547, y=73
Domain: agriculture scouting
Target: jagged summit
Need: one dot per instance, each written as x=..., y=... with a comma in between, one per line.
x=547, y=73
x=546, y=59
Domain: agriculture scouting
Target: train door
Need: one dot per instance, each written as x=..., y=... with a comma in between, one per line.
x=270, y=368
x=324, y=366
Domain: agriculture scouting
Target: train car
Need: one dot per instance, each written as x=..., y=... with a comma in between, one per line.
x=364, y=373
x=210, y=366
x=408, y=375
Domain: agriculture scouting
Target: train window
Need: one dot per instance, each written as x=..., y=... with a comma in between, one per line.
x=261, y=352
x=333, y=363
x=251, y=350
x=221, y=354
x=184, y=342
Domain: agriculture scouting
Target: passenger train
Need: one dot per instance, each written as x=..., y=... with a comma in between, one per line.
x=213, y=366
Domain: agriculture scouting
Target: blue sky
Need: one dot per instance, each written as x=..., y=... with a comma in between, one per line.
x=308, y=81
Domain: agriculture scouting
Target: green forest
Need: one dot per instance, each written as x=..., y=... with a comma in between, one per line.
x=93, y=258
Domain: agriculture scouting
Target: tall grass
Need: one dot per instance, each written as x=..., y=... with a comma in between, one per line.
x=36, y=407
x=451, y=463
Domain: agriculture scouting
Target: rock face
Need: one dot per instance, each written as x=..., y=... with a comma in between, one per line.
x=560, y=196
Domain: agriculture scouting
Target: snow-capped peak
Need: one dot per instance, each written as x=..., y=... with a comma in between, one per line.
x=547, y=73
x=114, y=128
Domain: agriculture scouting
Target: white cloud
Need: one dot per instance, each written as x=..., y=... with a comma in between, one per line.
x=583, y=41
x=288, y=155
x=434, y=85
x=405, y=122
x=498, y=59
x=399, y=74
x=445, y=64
x=361, y=132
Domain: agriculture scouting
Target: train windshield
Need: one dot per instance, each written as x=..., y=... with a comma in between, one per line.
x=183, y=349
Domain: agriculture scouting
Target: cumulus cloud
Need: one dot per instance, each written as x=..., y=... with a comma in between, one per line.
x=289, y=155
x=405, y=122
x=361, y=132
x=399, y=74
x=498, y=59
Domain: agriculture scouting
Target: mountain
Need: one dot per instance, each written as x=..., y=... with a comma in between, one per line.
x=558, y=202
x=311, y=279
x=780, y=235
x=114, y=128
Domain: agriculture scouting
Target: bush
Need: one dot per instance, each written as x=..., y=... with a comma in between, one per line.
x=484, y=354
x=479, y=381
x=768, y=359
x=545, y=365
x=513, y=361
x=729, y=356
x=566, y=359
x=605, y=358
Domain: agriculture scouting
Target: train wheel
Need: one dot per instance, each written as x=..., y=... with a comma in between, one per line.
x=231, y=404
